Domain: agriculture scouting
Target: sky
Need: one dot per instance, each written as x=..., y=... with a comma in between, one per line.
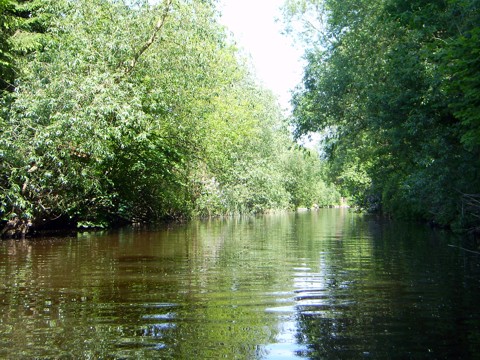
x=277, y=62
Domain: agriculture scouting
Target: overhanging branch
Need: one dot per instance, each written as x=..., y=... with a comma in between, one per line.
x=158, y=27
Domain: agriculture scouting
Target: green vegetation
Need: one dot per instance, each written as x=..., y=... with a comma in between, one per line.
x=21, y=30
x=128, y=111
x=393, y=87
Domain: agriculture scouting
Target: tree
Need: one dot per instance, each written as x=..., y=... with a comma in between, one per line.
x=22, y=27
x=134, y=111
x=387, y=84
x=105, y=118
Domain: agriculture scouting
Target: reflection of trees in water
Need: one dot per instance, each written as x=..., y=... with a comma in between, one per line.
x=390, y=291
x=200, y=290
x=325, y=337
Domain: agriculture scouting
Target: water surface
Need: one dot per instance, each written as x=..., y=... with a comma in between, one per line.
x=329, y=284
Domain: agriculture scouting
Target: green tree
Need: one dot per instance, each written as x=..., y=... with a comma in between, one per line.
x=242, y=168
x=391, y=87
x=305, y=179
x=22, y=27
x=107, y=116
x=133, y=111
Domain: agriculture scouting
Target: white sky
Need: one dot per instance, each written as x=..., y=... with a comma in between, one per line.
x=276, y=61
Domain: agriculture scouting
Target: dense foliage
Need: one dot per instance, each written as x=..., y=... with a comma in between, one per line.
x=21, y=29
x=134, y=111
x=393, y=87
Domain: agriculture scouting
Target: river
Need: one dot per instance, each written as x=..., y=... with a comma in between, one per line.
x=330, y=284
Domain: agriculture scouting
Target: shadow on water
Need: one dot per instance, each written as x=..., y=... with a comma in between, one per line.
x=389, y=290
x=328, y=284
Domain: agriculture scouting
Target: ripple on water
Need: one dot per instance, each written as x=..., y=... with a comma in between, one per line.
x=282, y=309
x=284, y=351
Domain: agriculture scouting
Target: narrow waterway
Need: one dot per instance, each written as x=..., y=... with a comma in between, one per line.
x=330, y=284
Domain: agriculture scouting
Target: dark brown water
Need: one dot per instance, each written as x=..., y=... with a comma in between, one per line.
x=322, y=285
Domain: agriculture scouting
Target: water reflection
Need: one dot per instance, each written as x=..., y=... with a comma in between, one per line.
x=393, y=293
x=331, y=284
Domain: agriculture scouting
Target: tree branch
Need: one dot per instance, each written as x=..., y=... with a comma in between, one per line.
x=151, y=40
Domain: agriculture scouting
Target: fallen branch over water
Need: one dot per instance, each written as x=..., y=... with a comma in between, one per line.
x=455, y=246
